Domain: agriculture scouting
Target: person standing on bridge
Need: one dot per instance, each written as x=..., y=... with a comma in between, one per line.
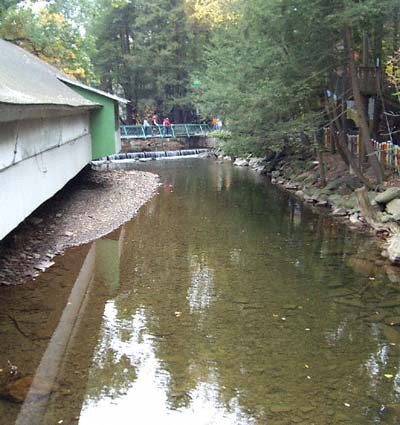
x=155, y=127
x=166, y=126
x=146, y=126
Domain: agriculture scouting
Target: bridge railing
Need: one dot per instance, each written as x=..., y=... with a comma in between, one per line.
x=160, y=131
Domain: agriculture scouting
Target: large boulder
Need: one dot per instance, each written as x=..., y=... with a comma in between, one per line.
x=256, y=162
x=336, y=200
x=301, y=177
x=386, y=218
x=312, y=191
x=352, y=182
x=355, y=221
x=239, y=162
x=339, y=212
x=333, y=185
x=393, y=207
x=311, y=179
x=388, y=195
x=350, y=202
x=291, y=186
x=208, y=154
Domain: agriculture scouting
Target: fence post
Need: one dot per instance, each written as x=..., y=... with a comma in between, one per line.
x=391, y=154
x=187, y=131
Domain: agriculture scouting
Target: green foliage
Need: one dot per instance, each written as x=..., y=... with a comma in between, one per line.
x=266, y=71
x=50, y=36
x=221, y=134
x=145, y=47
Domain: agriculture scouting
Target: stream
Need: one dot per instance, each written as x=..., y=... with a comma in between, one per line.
x=224, y=301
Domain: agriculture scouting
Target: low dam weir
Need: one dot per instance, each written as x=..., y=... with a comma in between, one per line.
x=154, y=155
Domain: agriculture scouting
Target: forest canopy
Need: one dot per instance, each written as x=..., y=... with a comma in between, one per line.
x=274, y=71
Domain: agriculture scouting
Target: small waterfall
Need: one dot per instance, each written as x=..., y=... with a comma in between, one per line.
x=137, y=156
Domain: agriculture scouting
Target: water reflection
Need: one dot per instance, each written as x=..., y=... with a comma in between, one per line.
x=201, y=290
x=33, y=410
x=223, y=302
x=146, y=396
x=65, y=340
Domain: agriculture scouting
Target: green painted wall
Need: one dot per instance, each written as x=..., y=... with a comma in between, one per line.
x=103, y=123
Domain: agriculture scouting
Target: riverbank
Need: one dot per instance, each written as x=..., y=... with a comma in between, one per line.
x=92, y=205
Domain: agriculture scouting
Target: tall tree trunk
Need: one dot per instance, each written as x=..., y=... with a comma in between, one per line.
x=352, y=163
x=319, y=139
x=130, y=113
x=365, y=136
x=379, y=26
x=342, y=147
x=396, y=13
x=333, y=138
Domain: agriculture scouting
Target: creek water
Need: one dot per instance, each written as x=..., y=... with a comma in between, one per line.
x=225, y=301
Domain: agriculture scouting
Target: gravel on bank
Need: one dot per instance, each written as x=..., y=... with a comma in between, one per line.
x=90, y=206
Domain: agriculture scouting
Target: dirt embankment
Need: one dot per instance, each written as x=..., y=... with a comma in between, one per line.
x=90, y=206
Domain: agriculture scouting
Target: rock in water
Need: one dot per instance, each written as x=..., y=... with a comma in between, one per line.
x=241, y=162
x=256, y=162
x=394, y=249
x=393, y=320
x=17, y=390
x=392, y=411
x=391, y=334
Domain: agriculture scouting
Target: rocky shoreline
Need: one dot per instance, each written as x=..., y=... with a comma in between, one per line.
x=90, y=206
x=373, y=212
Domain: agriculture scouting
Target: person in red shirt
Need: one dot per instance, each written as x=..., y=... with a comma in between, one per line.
x=166, y=126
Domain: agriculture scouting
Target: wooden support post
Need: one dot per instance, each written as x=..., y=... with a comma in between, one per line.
x=367, y=210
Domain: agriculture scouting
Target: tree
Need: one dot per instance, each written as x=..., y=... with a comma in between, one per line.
x=144, y=47
x=266, y=71
x=211, y=13
x=268, y=68
x=50, y=37
x=6, y=4
x=115, y=59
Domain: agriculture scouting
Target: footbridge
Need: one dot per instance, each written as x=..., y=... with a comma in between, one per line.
x=174, y=131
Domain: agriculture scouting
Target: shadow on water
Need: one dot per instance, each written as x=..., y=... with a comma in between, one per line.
x=223, y=302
